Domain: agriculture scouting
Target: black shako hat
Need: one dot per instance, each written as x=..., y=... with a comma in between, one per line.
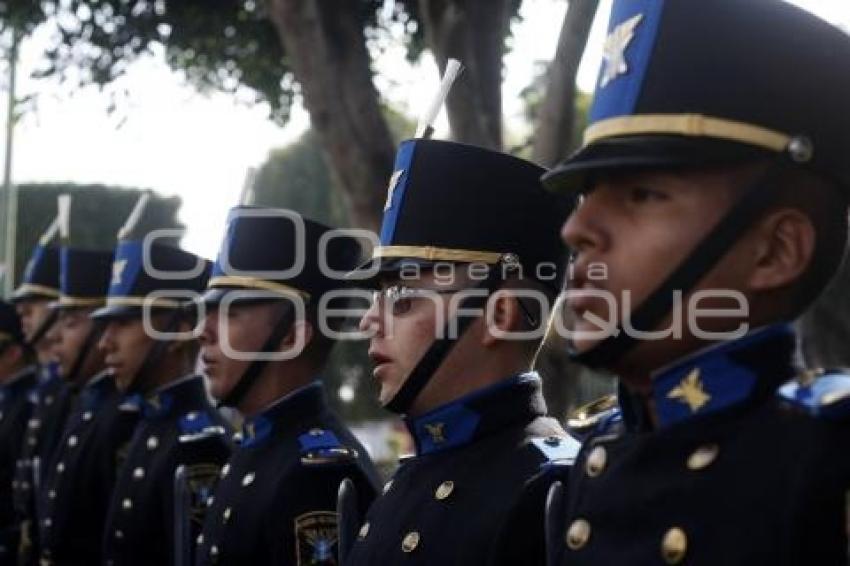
x=452, y=202
x=693, y=83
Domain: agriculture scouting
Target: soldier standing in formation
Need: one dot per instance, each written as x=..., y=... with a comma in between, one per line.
x=464, y=228
x=276, y=501
x=18, y=377
x=179, y=426
x=73, y=501
x=50, y=400
x=714, y=180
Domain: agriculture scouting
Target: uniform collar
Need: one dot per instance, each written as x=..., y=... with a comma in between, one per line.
x=301, y=403
x=96, y=390
x=23, y=379
x=719, y=377
x=173, y=397
x=48, y=374
x=473, y=416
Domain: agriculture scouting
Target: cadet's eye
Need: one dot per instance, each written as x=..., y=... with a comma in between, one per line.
x=639, y=195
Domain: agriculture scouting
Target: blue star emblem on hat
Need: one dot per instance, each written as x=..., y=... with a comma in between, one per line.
x=118, y=271
x=615, y=50
x=391, y=188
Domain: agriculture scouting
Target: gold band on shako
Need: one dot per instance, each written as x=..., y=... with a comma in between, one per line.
x=242, y=282
x=68, y=301
x=36, y=290
x=692, y=125
x=159, y=302
x=437, y=254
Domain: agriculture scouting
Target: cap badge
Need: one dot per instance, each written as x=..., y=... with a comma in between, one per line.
x=391, y=188
x=615, y=50
x=118, y=271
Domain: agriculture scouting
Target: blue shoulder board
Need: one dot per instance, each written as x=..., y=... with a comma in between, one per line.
x=823, y=394
x=562, y=449
x=319, y=446
x=194, y=422
x=198, y=425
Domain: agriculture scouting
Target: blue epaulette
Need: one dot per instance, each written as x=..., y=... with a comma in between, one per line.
x=558, y=449
x=319, y=446
x=198, y=425
x=820, y=393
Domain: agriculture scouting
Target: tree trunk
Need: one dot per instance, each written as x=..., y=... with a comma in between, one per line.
x=556, y=120
x=472, y=31
x=327, y=52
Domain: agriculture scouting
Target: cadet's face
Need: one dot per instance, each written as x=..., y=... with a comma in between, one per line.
x=640, y=226
x=126, y=344
x=10, y=357
x=33, y=313
x=68, y=337
x=400, y=340
x=245, y=327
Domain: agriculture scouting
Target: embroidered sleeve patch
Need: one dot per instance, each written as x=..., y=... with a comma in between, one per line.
x=316, y=538
x=201, y=480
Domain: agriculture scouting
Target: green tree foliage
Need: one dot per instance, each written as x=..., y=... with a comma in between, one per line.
x=97, y=213
x=297, y=177
x=218, y=44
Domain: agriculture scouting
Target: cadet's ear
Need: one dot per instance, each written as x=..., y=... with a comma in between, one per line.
x=298, y=337
x=503, y=316
x=785, y=245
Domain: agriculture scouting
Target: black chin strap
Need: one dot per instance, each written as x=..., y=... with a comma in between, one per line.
x=685, y=277
x=440, y=347
x=235, y=396
x=141, y=382
x=91, y=339
x=46, y=324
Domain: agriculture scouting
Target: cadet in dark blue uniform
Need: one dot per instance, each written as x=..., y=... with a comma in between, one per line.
x=276, y=501
x=18, y=377
x=52, y=398
x=179, y=426
x=73, y=501
x=714, y=185
x=463, y=226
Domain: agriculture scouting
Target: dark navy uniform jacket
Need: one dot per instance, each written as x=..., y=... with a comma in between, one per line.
x=79, y=482
x=15, y=410
x=735, y=468
x=179, y=426
x=449, y=504
x=51, y=402
x=276, y=501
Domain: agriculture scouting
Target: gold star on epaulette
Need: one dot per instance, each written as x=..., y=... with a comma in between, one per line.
x=436, y=431
x=691, y=392
x=615, y=50
x=118, y=271
x=391, y=188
